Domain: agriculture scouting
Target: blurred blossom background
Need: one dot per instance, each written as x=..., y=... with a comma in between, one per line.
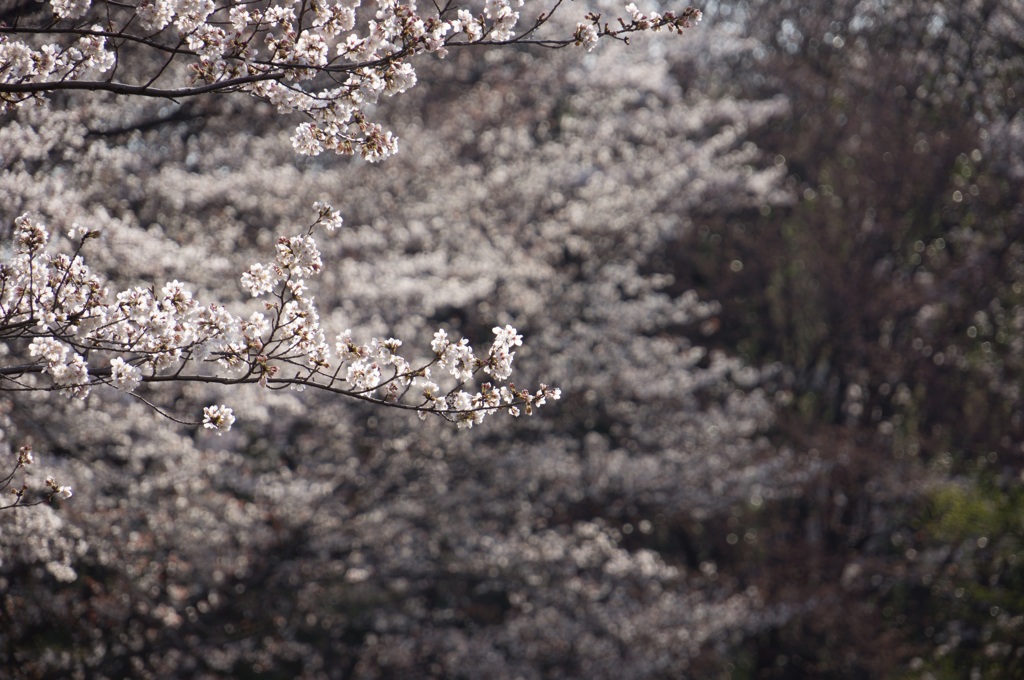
x=776, y=266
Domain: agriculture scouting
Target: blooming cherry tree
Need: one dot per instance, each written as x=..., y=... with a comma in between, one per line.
x=529, y=213
x=63, y=328
x=78, y=335
x=328, y=60
x=314, y=536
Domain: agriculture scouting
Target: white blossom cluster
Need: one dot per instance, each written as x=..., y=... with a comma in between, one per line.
x=76, y=334
x=313, y=57
x=26, y=493
x=87, y=57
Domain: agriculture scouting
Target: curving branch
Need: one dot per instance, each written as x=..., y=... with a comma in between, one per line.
x=68, y=334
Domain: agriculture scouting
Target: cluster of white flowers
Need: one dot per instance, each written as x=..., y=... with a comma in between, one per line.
x=304, y=56
x=72, y=374
x=503, y=18
x=70, y=9
x=455, y=357
x=587, y=35
x=58, y=489
x=500, y=359
x=23, y=63
x=329, y=218
x=123, y=375
x=219, y=418
x=22, y=494
x=63, y=313
x=655, y=21
x=458, y=359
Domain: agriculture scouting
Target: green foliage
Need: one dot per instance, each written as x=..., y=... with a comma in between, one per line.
x=971, y=538
x=959, y=513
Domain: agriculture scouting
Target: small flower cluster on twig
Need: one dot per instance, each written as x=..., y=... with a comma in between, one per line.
x=22, y=495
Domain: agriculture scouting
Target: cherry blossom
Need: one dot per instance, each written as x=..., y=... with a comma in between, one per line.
x=309, y=57
x=137, y=336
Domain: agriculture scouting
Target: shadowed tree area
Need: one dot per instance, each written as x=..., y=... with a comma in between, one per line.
x=890, y=290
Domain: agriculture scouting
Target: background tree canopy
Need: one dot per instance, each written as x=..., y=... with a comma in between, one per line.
x=775, y=266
